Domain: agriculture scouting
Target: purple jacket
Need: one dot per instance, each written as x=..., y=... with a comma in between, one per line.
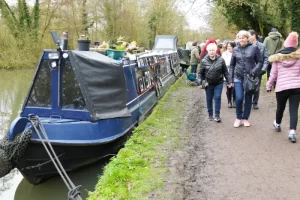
x=285, y=71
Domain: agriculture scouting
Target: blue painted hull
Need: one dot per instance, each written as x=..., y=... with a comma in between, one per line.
x=37, y=167
x=80, y=143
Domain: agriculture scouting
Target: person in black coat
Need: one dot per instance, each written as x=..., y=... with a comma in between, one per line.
x=211, y=73
x=246, y=60
x=265, y=56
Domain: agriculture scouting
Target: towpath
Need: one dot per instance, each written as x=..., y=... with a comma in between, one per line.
x=220, y=162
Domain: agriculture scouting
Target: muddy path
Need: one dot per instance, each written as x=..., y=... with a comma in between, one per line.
x=220, y=162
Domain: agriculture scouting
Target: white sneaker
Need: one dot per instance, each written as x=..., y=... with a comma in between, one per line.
x=237, y=123
x=292, y=137
x=276, y=126
x=246, y=123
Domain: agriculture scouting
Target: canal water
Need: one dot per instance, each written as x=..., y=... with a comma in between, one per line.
x=14, y=86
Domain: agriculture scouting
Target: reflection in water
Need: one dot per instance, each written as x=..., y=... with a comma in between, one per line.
x=13, y=90
x=9, y=183
x=55, y=188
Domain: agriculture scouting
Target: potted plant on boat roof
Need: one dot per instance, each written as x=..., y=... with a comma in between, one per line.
x=84, y=42
x=121, y=44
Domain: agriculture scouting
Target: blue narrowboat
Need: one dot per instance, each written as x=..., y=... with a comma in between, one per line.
x=88, y=104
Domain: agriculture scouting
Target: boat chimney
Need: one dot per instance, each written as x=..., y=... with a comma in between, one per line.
x=64, y=41
x=83, y=43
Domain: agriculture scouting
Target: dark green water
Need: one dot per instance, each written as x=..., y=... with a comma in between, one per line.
x=13, y=90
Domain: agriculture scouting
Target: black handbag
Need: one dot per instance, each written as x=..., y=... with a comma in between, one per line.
x=251, y=83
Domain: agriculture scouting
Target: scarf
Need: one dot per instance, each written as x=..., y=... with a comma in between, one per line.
x=287, y=50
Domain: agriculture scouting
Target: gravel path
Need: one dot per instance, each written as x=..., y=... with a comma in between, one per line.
x=220, y=162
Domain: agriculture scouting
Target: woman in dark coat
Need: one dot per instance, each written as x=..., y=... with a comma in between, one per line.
x=246, y=60
x=211, y=73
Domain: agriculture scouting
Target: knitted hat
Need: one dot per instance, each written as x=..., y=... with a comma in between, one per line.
x=291, y=40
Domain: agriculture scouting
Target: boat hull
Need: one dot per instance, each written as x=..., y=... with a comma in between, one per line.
x=76, y=120
x=37, y=167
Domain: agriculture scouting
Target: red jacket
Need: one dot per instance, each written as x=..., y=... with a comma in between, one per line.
x=203, y=50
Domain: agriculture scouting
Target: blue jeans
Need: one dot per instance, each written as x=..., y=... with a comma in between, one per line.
x=194, y=68
x=214, y=92
x=240, y=96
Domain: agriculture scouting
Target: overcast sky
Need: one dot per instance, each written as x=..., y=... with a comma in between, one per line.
x=196, y=12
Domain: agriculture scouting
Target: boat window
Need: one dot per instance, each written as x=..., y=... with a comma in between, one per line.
x=40, y=95
x=71, y=94
x=147, y=73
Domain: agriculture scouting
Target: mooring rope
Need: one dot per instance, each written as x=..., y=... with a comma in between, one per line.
x=74, y=193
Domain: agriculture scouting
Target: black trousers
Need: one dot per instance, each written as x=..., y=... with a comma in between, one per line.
x=230, y=94
x=269, y=71
x=293, y=95
x=256, y=94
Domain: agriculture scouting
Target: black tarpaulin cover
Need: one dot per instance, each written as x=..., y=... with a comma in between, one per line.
x=165, y=43
x=184, y=54
x=102, y=84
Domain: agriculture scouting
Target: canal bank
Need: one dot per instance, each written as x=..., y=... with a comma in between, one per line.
x=14, y=88
x=139, y=168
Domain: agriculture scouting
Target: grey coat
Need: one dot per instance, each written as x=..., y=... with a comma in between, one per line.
x=265, y=56
x=245, y=60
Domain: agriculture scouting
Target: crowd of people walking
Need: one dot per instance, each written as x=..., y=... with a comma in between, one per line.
x=240, y=64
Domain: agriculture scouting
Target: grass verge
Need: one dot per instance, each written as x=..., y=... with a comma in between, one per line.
x=139, y=167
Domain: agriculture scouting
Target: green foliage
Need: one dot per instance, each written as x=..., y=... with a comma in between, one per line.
x=19, y=49
x=152, y=29
x=221, y=28
x=18, y=19
x=84, y=17
x=138, y=168
x=24, y=17
x=260, y=15
x=35, y=18
x=138, y=20
x=294, y=8
x=163, y=19
x=12, y=55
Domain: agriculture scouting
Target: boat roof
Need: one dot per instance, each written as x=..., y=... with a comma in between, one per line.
x=165, y=43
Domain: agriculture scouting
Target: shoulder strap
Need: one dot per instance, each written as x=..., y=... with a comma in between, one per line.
x=211, y=68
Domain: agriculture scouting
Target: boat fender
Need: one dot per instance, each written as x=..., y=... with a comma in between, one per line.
x=16, y=127
x=11, y=152
x=6, y=164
